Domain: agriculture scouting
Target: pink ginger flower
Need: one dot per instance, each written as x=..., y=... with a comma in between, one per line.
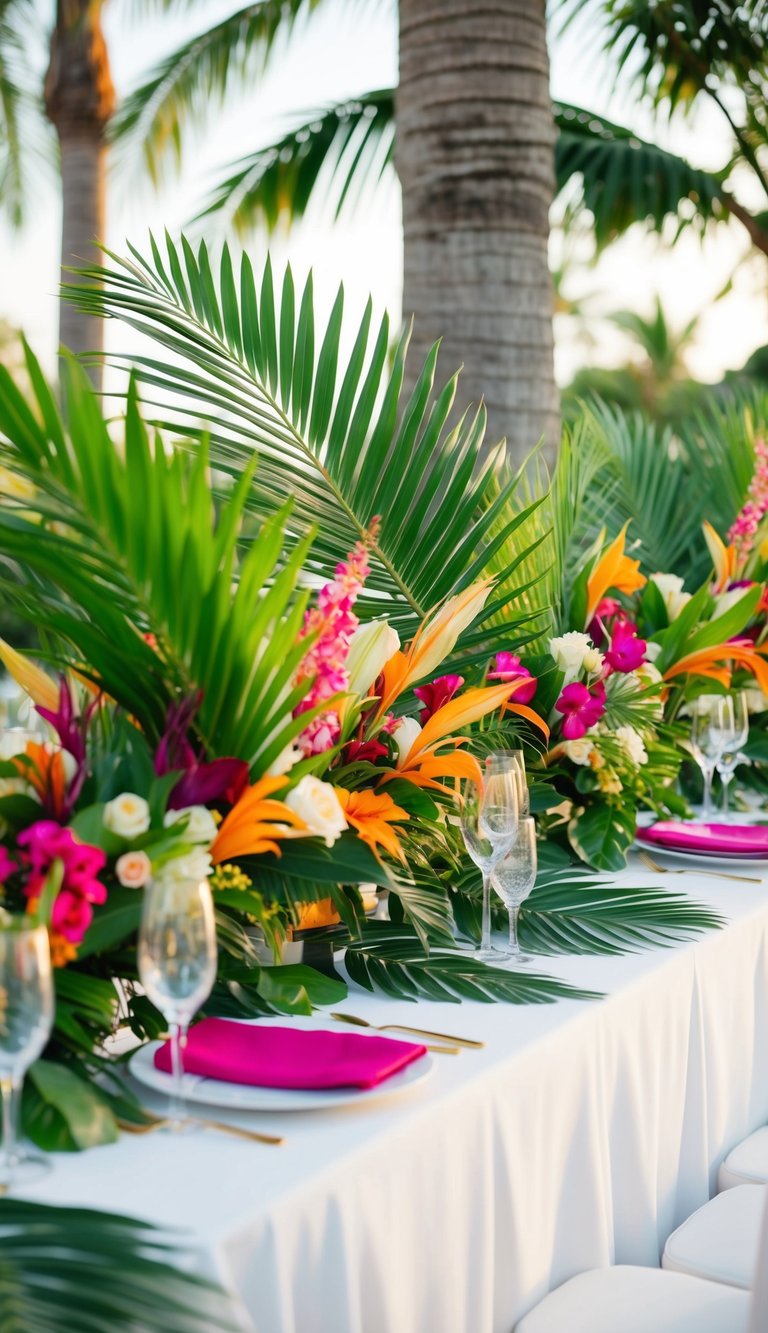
x=581, y=708
x=744, y=529
x=437, y=693
x=46, y=842
x=334, y=622
x=627, y=650
x=509, y=667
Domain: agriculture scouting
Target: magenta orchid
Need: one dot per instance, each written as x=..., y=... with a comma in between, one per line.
x=509, y=667
x=581, y=708
x=627, y=651
x=42, y=844
x=437, y=693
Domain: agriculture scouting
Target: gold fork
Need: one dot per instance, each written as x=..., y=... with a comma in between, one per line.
x=401, y=1027
x=158, y=1122
x=694, y=870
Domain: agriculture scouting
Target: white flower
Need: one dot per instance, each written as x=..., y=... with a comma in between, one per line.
x=757, y=702
x=578, y=751
x=284, y=762
x=14, y=740
x=407, y=733
x=317, y=804
x=201, y=826
x=726, y=600
x=569, y=651
x=370, y=648
x=652, y=651
x=631, y=743
x=671, y=588
x=127, y=815
x=193, y=867
x=134, y=870
x=593, y=661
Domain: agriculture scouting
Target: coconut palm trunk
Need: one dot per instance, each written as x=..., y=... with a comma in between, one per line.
x=79, y=100
x=474, y=151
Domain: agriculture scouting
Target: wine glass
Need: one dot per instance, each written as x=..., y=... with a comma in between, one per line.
x=729, y=759
x=514, y=760
x=26, y=1019
x=513, y=879
x=177, y=965
x=713, y=731
x=489, y=822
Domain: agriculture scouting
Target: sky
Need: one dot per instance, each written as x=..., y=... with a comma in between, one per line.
x=341, y=52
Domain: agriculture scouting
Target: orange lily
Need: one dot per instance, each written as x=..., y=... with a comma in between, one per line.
x=370, y=813
x=614, y=570
x=39, y=686
x=723, y=558
x=434, y=640
x=256, y=824
x=704, y=662
x=46, y=775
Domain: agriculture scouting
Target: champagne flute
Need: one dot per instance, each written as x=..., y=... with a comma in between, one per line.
x=729, y=759
x=515, y=760
x=489, y=821
x=26, y=1019
x=713, y=730
x=177, y=965
x=513, y=879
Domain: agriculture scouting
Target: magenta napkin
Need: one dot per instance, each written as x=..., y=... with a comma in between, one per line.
x=727, y=839
x=278, y=1057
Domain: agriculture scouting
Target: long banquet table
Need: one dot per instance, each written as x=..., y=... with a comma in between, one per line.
x=581, y=1136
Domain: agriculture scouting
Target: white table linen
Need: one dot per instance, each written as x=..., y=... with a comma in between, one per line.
x=581, y=1136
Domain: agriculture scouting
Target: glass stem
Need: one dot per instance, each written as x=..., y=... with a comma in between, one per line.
x=177, y=1108
x=9, y=1090
x=726, y=781
x=485, y=942
x=514, y=944
x=706, y=805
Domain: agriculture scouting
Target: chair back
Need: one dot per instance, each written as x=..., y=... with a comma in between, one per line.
x=758, y=1315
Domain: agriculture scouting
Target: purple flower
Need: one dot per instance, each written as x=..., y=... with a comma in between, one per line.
x=200, y=783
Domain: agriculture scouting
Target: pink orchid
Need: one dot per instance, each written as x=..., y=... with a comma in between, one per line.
x=7, y=865
x=437, y=693
x=581, y=708
x=606, y=610
x=509, y=667
x=46, y=842
x=627, y=650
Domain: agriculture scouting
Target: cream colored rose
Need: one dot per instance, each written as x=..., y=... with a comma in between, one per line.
x=134, y=870
x=578, y=751
x=191, y=868
x=317, y=804
x=569, y=651
x=407, y=733
x=201, y=825
x=127, y=815
x=631, y=743
x=370, y=648
x=593, y=661
x=671, y=588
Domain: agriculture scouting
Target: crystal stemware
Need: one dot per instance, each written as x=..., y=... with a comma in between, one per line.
x=514, y=760
x=729, y=759
x=713, y=732
x=489, y=822
x=513, y=879
x=177, y=965
x=26, y=1019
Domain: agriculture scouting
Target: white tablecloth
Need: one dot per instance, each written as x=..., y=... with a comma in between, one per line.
x=581, y=1136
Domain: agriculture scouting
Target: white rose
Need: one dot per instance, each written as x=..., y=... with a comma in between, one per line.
x=317, y=804
x=631, y=743
x=407, y=733
x=757, y=702
x=578, y=751
x=593, y=661
x=284, y=762
x=726, y=600
x=671, y=588
x=201, y=826
x=193, y=867
x=127, y=815
x=134, y=870
x=569, y=651
x=370, y=648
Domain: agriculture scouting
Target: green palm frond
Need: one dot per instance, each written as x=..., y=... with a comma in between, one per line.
x=112, y=547
x=623, y=179
x=18, y=140
x=337, y=438
x=350, y=144
x=720, y=443
x=76, y=1267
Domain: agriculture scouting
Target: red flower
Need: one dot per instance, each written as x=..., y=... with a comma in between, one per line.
x=370, y=752
x=581, y=708
x=437, y=693
x=627, y=650
x=509, y=667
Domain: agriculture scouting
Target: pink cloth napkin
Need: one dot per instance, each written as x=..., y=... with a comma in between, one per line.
x=733, y=839
x=278, y=1057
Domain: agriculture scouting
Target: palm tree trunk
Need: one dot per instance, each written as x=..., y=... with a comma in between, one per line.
x=474, y=151
x=79, y=100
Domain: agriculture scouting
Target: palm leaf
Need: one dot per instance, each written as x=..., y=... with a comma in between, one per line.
x=19, y=108
x=67, y=1267
x=340, y=440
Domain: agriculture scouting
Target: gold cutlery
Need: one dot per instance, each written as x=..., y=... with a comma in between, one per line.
x=694, y=870
x=401, y=1027
x=156, y=1122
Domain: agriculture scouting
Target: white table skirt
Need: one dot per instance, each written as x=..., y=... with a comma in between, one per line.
x=581, y=1136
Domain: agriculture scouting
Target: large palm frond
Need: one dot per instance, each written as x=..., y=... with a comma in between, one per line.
x=17, y=101
x=336, y=438
x=75, y=1267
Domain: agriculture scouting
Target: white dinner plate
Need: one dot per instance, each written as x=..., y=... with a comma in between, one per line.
x=703, y=858
x=244, y=1097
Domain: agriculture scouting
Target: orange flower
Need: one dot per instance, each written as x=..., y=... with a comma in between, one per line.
x=46, y=774
x=314, y=915
x=723, y=558
x=370, y=814
x=256, y=824
x=705, y=662
x=62, y=950
x=613, y=570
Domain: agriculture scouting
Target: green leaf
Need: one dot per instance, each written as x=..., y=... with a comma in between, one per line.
x=602, y=834
x=63, y=1111
x=116, y=920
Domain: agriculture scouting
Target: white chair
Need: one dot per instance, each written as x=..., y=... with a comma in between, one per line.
x=720, y=1241
x=651, y=1300
x=747, y=1164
